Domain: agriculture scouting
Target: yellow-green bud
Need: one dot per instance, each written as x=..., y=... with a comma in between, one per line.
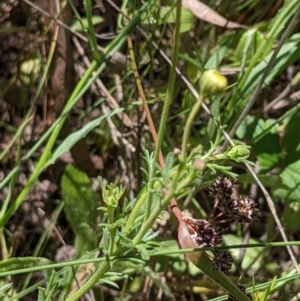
x=212, y=82
x=30, y=70
x=238, y=152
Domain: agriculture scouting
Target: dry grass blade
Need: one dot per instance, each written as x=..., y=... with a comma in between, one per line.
x=207, y=14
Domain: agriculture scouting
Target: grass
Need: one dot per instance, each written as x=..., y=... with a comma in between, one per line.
x=93, y=194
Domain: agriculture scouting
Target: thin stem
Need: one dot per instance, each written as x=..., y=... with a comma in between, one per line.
x=92, y=38
x=165, y=112
x=144, y=100
x=171, y=83
x=91, y=282
x=154, y=214
x=188, y=127
x=112, y=231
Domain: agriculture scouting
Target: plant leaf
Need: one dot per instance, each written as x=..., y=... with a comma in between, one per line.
x=16, y=263
x=81, y=204
x=67, y=144
x=205, y=13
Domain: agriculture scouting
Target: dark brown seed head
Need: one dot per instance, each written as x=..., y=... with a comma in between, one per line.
x=222, y=189
x=242, y=210
x=222, y=261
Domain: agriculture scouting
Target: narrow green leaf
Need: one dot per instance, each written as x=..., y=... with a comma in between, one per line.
x=106, y=281
x=68, y=143
x=16, y=263
x=286, y=56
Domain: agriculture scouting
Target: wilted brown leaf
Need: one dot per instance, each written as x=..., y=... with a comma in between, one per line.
x=207, y=14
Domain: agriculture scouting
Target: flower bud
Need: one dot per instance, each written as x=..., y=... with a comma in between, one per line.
x=238, y=152
x=212, y=82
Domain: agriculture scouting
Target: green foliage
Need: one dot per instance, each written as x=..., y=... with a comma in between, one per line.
x=82, y=24
x=73, y=138
x=168, y=15
x=275, y=150
x=12, y=264
x=4, y=290
x=264, y=138
x=47, y=294
x=124, y=222
x=80, y=199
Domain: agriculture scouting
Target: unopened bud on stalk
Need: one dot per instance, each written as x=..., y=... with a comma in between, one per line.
x=212, y=82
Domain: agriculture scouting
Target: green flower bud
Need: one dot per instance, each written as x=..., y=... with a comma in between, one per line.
x=111, y=194
x=212, y=82
x=239, y=153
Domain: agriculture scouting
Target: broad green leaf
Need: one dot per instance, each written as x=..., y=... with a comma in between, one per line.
x=251, y=258
x=168, y=14
x=218, y=54
x=290, y=173
x=291, y=139
x=176, y=262
x=247, y=128
x=291, y=179
x=264, y=139
x=81, y=204
x=247, y=45
x=68, y=143
x=290, y=217
x=273, y=181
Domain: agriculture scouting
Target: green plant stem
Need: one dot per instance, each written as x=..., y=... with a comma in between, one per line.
x=111, y=230
x=166, y=108
x=91, y=282
x=141, y=200
x=188, y=127
x=154, y=214
x=171, y=83
x=39, y=266
x=91, y=37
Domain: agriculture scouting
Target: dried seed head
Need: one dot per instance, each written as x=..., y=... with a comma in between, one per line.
x=208, y=236
x=202, y=232
x=222, y=261
x=222, y=189
x=242, y=210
